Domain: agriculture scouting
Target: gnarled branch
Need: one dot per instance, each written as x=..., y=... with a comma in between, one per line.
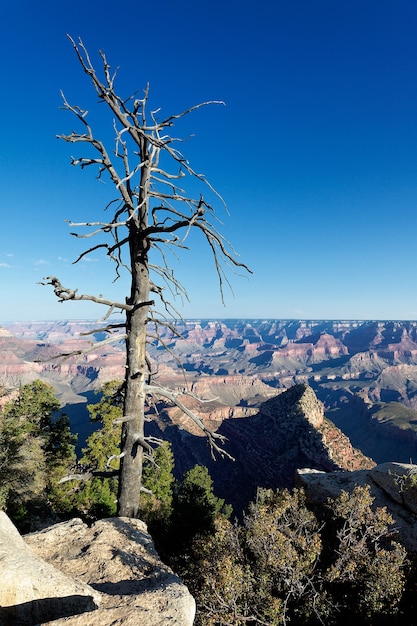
x=212, y=437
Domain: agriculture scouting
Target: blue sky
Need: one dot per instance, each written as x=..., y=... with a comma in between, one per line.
x=315, y=152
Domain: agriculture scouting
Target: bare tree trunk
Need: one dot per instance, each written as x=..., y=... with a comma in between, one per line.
x=130, y=478
x=133, y=430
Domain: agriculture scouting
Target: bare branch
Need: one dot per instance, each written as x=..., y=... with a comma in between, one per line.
x=114, y=456
x=88, y=475
x=143, y=443
x=155, y=440
x=64, y=293
x=211, y=436
x=168, y=121
x=186, y=392
x=124, y=419
x=106, y=329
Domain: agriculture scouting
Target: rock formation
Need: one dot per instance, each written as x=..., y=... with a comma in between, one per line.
x=109, y=574
x=393, y=485
x=33, y=591
x=117, y=558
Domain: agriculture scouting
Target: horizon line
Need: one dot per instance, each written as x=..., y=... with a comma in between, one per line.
x=214, y=319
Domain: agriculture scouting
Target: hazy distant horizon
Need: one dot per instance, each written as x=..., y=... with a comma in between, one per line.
x=212, y=319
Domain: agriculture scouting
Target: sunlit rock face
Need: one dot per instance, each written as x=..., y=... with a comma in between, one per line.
x=117, y=558
x=33, y=591
x=108, y=574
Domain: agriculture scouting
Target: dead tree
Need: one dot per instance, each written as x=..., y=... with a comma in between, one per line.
x=151, y=214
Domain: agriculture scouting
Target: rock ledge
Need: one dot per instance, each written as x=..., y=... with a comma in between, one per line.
x=73, y=575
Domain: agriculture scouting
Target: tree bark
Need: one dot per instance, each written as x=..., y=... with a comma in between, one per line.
x=136, y=366
x=133, y=430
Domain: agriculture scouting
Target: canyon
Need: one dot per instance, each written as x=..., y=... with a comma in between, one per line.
x=364, y=373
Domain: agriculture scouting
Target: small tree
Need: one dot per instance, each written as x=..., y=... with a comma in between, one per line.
x=195, y=509
x=263, y=572
x=36, y=449
x=104, y=442
x=158, y=480
x=222, y=581
x=152, y=214
x=195, y=506
x=97, y=496
x=283, y=544
x=367, y=572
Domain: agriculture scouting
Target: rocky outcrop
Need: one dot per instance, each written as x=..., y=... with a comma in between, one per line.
x=289, y=431
x=300, y=415
x=393, y=485
x=33, y=591
x=117, y=558
x=109, y=574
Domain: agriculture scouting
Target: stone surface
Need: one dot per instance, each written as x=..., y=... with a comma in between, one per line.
x=389, y=485
x=33, y=591
x=394, y=479
x=117, y=558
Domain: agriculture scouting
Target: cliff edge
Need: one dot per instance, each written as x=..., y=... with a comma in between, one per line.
x=72, y=574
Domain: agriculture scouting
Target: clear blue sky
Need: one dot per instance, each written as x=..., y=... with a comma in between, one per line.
x=315, y=152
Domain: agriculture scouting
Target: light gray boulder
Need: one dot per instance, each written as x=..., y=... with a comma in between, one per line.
x=116, y=557
x=399, y=481
x=33, y=591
